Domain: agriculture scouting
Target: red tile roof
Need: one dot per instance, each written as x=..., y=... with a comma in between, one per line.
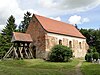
x=21, y=37
x=59, y=27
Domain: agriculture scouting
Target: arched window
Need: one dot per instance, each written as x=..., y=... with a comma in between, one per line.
x=60, y=42
x=80, y=46
x=70, y=44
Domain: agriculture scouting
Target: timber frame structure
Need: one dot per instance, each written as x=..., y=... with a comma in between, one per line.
x=21, y=47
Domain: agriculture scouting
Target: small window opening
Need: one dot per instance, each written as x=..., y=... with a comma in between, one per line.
x=70, y=44
x=60, y=42
x=80, y=46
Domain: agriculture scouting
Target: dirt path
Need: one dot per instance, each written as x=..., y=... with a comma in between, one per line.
x=78, y=69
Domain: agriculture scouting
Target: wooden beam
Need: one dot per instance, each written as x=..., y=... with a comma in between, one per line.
x=16, y=55
x=26, y=53
x=20, y=50
x=9, y=52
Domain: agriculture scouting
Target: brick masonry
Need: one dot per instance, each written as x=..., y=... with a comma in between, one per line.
x=38, y=35
x=79, y=50
x=44, y=42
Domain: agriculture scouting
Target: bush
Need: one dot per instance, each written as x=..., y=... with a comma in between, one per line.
x=88, y=57
x=91, y=54
x=95, y=56
x=60, y=53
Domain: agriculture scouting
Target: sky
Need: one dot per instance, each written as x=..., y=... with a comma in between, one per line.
x=84, y=13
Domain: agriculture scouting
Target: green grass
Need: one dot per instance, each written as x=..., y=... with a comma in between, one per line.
x=90, y=68
x=37, y=67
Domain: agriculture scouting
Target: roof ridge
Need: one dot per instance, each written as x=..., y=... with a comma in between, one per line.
x=52, y=19
x=18, y=36
x=20, y=33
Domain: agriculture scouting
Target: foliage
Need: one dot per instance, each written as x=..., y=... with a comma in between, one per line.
x=10, y=27
x=93, y=49
x=96, y=55
x=91, y=54
x=60, y=53
x=76, y=26
x=92, y=37
x=24, y=24
x=88, y=57
x=5, y=37
x=89, y=34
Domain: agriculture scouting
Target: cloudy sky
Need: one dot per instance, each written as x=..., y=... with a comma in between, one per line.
x=84, y=13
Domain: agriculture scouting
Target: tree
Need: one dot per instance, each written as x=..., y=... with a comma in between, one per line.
x=2, y=43
x=89, y=34
x=5, y=37
x=92, y=37
x=24, y=24
x=97, y=42
x=60, y=53
x=10, y=28
x=76, y=26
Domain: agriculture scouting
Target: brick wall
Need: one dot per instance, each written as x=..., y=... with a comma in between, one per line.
x=53, y=39
x=38, y=35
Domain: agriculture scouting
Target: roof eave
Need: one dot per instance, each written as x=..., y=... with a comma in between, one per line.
x=65, y=34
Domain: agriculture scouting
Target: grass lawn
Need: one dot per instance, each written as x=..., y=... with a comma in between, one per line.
x=37, y=67
x=90, y=68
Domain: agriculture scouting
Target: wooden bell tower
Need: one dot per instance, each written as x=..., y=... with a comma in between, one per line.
x=21, y=47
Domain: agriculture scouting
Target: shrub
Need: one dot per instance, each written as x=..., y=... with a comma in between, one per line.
x=91, y=54
x=95, y=56
x=88, y=57
x=60, y=53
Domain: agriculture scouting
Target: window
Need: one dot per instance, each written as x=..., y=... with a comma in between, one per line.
x=60, y=42
x=80, y=45
x=70, y=44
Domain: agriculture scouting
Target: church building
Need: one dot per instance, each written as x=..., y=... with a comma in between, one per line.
x=46, y=33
